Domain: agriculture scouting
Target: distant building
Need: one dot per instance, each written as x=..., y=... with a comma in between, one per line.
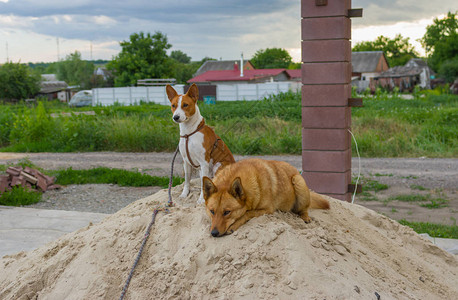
x=366, y=65
x=52, y=88
x=414, y=72
x=103, y=72
x=247, y=76
x=220, y=65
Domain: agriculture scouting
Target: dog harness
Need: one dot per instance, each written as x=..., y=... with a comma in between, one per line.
x=186, y=136
x=217, y=152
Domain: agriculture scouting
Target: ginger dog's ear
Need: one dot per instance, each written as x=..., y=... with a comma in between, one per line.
x=171, y=93
x=193, y=92
x=209, y=187
x=236, y=189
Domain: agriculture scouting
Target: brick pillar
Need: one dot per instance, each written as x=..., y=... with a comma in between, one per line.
x=326, y=89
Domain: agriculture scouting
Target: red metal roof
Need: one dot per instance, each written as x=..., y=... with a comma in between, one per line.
x=234, y=75
x=294, y=73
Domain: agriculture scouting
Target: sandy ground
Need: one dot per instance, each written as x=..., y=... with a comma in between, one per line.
x=403, y=176
x=347, y=252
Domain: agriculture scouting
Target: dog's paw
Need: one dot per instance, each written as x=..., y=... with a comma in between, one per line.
x=201, y=200
x=184, y=194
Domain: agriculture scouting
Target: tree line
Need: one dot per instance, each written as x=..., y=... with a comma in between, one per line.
x=144, y=55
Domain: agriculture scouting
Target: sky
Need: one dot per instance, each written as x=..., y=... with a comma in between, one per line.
x=48, y=30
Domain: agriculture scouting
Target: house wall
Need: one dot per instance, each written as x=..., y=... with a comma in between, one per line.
x=382, y=65
x=364, y=83
x=248, y=66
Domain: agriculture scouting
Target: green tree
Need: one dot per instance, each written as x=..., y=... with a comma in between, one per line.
x=75, y=71
x=18, y=81
x=441, y=40
x=398, y=51
x=271, y=58
x=449, y=69
x=180, y=56
x=143, y=56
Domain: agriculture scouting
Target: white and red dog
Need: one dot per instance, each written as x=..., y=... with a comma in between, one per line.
x=199, y=144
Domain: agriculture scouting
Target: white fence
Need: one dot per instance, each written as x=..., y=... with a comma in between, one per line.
x=157, y=94
x=231, y=92
x=132, y=95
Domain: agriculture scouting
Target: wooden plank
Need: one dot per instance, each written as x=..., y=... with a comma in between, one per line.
x=29, y=178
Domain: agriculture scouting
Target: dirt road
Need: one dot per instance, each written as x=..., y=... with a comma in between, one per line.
x=433, y=182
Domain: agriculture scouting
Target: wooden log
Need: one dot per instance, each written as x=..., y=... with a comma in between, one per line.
x=29, y=178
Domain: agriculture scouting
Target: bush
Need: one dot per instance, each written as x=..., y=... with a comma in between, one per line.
x=19, y=196
x=17, y=81
x=449, y=70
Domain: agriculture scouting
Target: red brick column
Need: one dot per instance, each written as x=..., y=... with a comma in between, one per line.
x=326, y=77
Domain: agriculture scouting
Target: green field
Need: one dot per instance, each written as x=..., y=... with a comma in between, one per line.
x=387, y=126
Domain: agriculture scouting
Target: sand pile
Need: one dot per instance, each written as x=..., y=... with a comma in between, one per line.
x=349, y=252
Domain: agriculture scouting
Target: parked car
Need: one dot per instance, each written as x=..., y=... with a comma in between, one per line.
x=82, y=98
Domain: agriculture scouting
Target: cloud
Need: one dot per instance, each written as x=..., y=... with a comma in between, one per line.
x=214, y=28
x=388, y=12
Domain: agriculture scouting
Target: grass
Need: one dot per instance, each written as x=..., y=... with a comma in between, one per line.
x=427, y=201
x=104, y=175
x=418, y=187
x=387, y=126
x=410, y=198
x=435, y=203
x=19, y=196
x=434, y=230
x=370, y=189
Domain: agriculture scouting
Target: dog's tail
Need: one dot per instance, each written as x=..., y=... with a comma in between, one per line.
x=318, y=201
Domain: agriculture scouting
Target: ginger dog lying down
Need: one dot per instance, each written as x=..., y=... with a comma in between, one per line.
x=254, y=187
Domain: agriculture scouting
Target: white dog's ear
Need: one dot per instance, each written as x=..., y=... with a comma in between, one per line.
x=193, y=92
x=171, y=93
x=237, y=189
x=209, y=187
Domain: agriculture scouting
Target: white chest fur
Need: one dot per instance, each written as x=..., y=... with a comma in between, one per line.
x=195, y=149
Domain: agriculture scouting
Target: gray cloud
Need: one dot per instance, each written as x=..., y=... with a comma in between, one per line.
x=388, y=12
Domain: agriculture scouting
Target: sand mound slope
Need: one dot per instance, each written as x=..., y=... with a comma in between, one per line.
x=349, y=252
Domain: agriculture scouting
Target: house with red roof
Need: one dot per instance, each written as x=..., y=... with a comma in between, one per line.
x=236, y=76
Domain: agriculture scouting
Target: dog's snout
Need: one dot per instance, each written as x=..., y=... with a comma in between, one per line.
x=215, y=232
x=176, y=117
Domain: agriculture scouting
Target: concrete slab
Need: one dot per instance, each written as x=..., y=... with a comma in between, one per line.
x=449, y=245
x=24, y=229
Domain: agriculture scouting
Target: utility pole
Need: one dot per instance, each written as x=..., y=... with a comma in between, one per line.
x=7, y=56
x=57, y=41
